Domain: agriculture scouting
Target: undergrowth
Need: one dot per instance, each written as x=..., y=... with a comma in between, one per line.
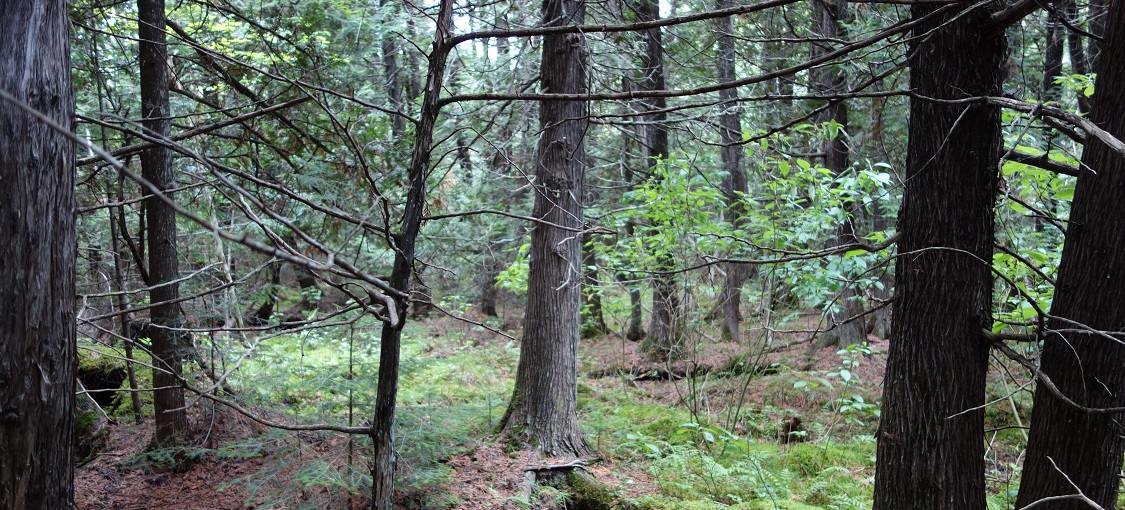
x=729, y=447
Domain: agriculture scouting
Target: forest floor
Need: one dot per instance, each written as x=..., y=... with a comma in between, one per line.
x=638, y=415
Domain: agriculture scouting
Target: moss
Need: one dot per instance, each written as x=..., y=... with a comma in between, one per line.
x=587, y=493
x=95, y=357
x=810, y=459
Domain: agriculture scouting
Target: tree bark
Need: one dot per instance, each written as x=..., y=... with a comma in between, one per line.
x=1085, y=365
x=734, y=185
x=392, y=77
x=930, y=447
x=1098, y=11
x=390, y=344
x=593, y=319
x=543, y=412
x=1053, y=57
x=163, y=262
x=1080, y=61
x=38, y=358
x=844, y=326
x=663, y=329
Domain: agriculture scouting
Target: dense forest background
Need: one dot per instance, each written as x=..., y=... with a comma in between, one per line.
x=616, y=254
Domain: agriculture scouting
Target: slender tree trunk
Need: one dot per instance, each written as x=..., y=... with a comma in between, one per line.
x=492, y=263
x=930, y=446
x=1053, y=57
x=392, y=77
x=635, y=329
x=663, y=330
x=543, y=412
x=1098, y=11
x=593, y=320
x=880, y=293
x=163, y=261
x=382, y=430
x=1086, y=364
x=1080, y=62
x=120, y=307
x=734, y=184
x=37, y=259
x=844, y=326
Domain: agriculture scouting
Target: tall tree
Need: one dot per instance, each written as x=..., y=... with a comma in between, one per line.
x=1083, y=352
x=930, y=451
x=663, y=329
x=734, y=183
x=163, y=257
x=1055, y=33
x=543, y=411
x=405, y=240
x=37, y=257
x=847, y=325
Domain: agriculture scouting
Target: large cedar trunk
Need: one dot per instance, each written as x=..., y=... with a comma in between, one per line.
x=930, y=444
x=163, y=264
x=37, y=259
x=1086, y=366
x=734, y=184
x=543, y=412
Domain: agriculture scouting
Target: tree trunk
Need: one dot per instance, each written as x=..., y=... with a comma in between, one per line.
x=382, y=430
x=930, y=446
x=1098, y=11
x=543, y=412
x=1080, y=62
x=593, y=320
x=846, y=323
x=1053, y=57
x=392, y=77
x=38, y=360
x=120, y=306
x=1085, y=365
x=734, y=184
x=663, y=329
x=163, y=262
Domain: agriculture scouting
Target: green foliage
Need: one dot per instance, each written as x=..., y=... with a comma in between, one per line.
x=514, y=277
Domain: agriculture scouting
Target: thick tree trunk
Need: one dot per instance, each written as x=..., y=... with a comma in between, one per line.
x=163, y=262
x=734, y=184
x=543, y=412
x=382, y=429
x=1086, y=365
x=930, y=445
x=37, y=259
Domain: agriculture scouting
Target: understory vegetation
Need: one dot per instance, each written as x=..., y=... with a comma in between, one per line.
x=768, y=424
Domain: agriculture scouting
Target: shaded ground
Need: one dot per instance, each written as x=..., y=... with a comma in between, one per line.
x=305, y=470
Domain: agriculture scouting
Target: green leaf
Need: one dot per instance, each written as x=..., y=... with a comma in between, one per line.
x=1065, y=193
